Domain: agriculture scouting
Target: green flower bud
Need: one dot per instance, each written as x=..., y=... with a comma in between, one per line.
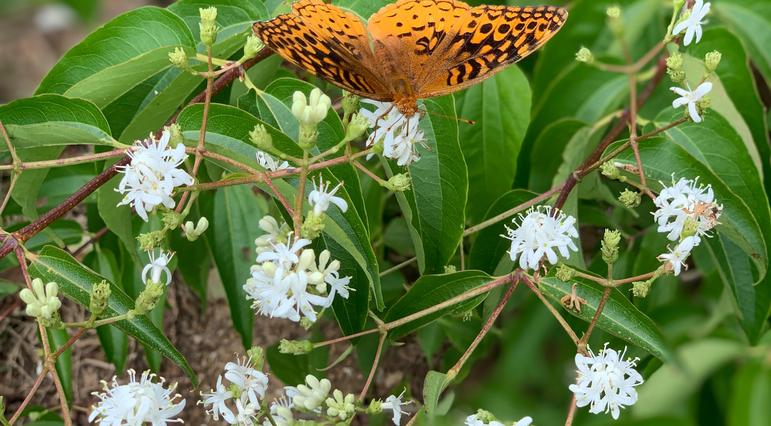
x=310, y=111
x=613, y=12
x=172, y=219
x=584, y=55
x=208, y=25
x=148, y=298
x=192, y=232
x=609, y=246
x=313, y=225
x=252, y=47
x=256, y=357
x=614, y=19
x=151, y=240
x=176, y=137
x=42, y=301
x=677, y=76
x=357, y=125
x=704, y=104
x=690, y=227
x=375, y=407
x=261, y=138
x=640, y=288
x=178, y=58
x=609, y=170
x=565, y=273
x=341, y=406
x=100, y=294
x=486, y=416
x=306, y=323
x=712, y=60
x=450, y=269
x=630, y=199
x=675, y=61
x=350, y=103
x=399, y=183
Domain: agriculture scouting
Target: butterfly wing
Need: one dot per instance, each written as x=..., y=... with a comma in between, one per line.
x=327, y=42
x=486, y=40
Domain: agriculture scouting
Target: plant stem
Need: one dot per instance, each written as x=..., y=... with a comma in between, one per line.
x=61, y=162
x=380, y=181
x=300, y=196
x=571, y=412
x=552, y=309
x=376, y=361
x=511, y=212
x=399, y=266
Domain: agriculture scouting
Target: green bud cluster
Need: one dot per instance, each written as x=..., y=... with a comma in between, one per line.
x=630, y=199
x=565, y=273
x=313, y=225
x=150, y=240
x=256, y=357
x=100, y=294
x=148, y=298
x=399, y=183
x=252, y=47
x=208, y=25
x=295, y=347
x=609, y=246
x=178, y=58
x=42, y=301
x=584, y=55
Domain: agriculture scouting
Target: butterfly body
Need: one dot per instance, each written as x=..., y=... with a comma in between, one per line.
x=411, y=49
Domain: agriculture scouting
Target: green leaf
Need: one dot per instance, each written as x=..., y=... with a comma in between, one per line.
x=554, y=139
x=750, y=394
x=118, y=56
x=751, y=20
x=619, y=317
x=57, y=337
x=434, y=206
x=501, y=108
x=715, y=145
x=235, y=225
x=734, y=95
x=489, y=252
x=363, y=8
x=433, y=387
x=40, y=128
x=430, y=290
x=292, y=369
x=76, y=281
x=668, y=388
x=195, y=261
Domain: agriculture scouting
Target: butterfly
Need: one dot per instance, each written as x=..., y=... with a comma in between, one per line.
x=411, y=49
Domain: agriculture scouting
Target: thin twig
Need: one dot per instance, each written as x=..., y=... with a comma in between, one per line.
x=552, y=309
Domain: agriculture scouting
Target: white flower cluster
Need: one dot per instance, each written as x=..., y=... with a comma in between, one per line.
x=606, y=381
x=137, y=402
x=399, y=134
x=692, y=21
x=238, y=402
x=485, y=418
x=538, y=233
x=686, y=212
x=149, y=180
x=288, y=280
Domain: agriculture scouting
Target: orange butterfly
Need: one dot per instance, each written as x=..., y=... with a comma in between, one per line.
x=411, y=49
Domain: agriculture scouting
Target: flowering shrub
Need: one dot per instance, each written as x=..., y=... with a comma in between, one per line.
x=609, y=192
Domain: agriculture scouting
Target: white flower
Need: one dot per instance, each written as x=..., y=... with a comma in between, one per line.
x=42, y=301
x=321, y=197
x=312, y=394
x=157, y=266
x=678, y=255
x=284, y=254
x=269, y=163
x=539, y=233
x=249, y=380
x=149, y=180
x=274, y=233
x=399, y=134
x=606, y=381
x=395, y=404
x=691, y=98
x=135, y=403
x=311, y=110
x=524, y=421
x=686, y=208
x=474, y=420
x=218, y=399
x=246, y=387
x=692, y=24
x=281, y=408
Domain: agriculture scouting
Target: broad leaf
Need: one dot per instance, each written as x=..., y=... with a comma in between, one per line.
x=751, y=20
x=76, y=281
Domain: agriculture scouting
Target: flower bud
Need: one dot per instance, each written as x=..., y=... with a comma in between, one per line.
x=178, y=58
x=375, y=407
x=42, y=301
x=148, y=298
x=100, y=294
x=399, y=183
x=208, y=25
x=261, y=138
x=614, y=19
x=356, y=127
x=312, y=394
x=704, y=104
x=306, y=323
x=450, y=269
x=675, y=61
x=176, y=136
x=310, y=112
x=172, y=219
x=313, y=225
x=712, y=60
x=350, y=103
x=295, y=347
x=193, y=232
x=677, y=76
x=486, y=416
x=565, y=273
x=609, y=246
x=640, y=288
x=252, y=47
x=630, y=199
x=150, y=240
x=256, y=357
x=584, y=55
x=341, y=406
x=609, y=170
x=613, y=12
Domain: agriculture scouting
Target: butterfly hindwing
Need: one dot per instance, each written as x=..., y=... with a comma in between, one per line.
x=488, y=39
x=327, y=42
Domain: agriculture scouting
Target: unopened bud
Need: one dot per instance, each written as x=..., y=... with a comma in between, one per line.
x=399, y=183
x=565, y=273
x=630, y=199
x=640, y=288
x=295, y=347
x=172, y=219
x=350, y=103
x=675, y=61
x=712, y=60
x=677, y=76
x=256, y=357
x=100, y=294
x=42, y=301
x=357, y=125
x=486, y=417
x=584, y=55
x=609, y=246
x=149, y=297
x=175, y=135
x=613, y=12
x=178, y=58
x=193, y=232
x=450, y=269
x=208, y=25
x=306, y=323
x=261, y=137
x=313, y=225
x=614, y=20
x=609, y=170
x=375, y=407
x=704, y=104
x=150, y=240
x=252, y=47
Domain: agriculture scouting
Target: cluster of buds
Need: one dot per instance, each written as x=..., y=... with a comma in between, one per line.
x=42, y=301
x=208, y=25
x=310, y=111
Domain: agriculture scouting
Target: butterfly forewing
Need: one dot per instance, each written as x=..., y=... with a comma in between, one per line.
x=327, y=42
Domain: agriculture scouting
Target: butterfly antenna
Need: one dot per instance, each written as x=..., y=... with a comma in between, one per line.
x=450, y=117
